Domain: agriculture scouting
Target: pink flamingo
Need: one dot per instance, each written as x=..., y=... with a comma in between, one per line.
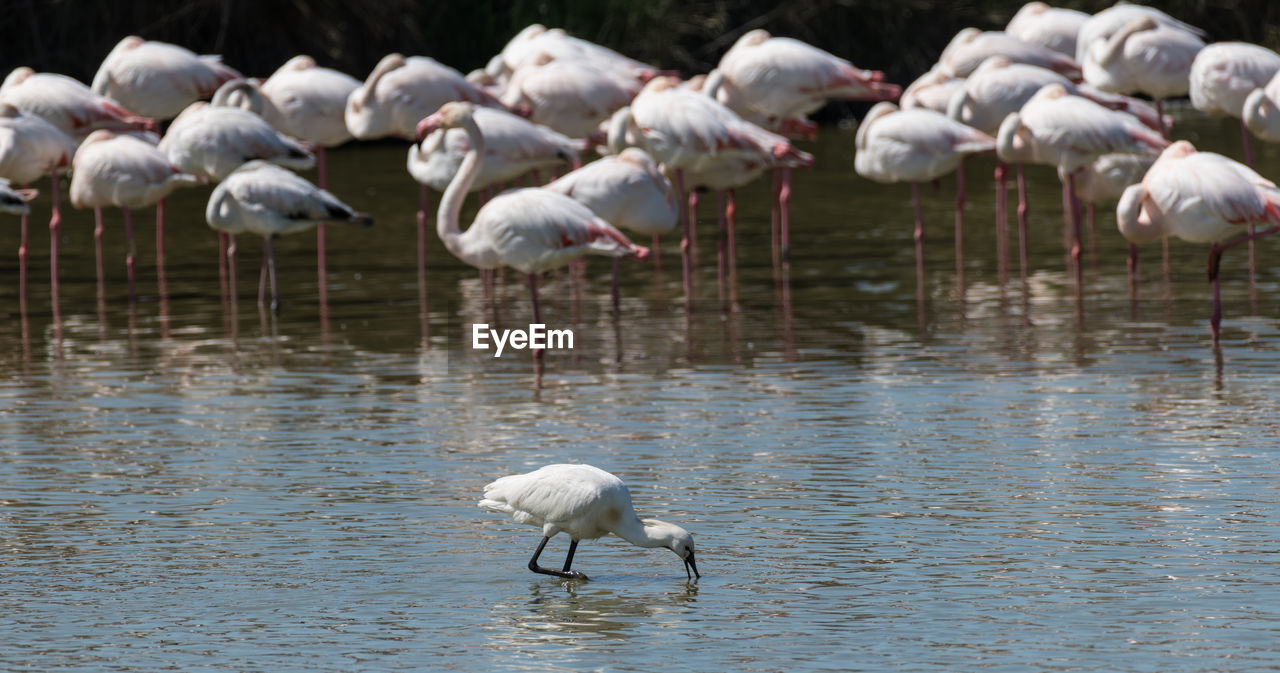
x=970, y=47
x=1104, y=180
x=15, y=201
x=530, y=229
x=627, y=190
x=1144, y=56
x=211, y=141
x=537, y=39
x=1224, y=74
x=1101, y=26
x=932, y=90
x=572, y=97
x=67, y=104
x=31, y=148
x=157, y=79
x=1200, y=197
x=264, y=199
x=401, y=91
x=1052, y=27
x=125, y=172
x=916, y=146
x=687, y=131
x=1058, y=129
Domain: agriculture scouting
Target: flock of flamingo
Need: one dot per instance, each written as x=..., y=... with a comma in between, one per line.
x=1056, y=87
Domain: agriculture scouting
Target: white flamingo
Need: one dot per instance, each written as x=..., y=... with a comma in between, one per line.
x=67, y=104
x=125, y=172
x=1053, y=27
x=1101, y=26
x=400, y=91
x=537, y=39
x=15, y=201
x=585, y=503
x=572, y=97
x=264, y=199
x=1224, y=74
x=970, y=47
x=31, y=148
x=932, y=90
x=530, y=229
x=158, y=79
x=213, y=140
x=1200, y=197
x=1144, y=56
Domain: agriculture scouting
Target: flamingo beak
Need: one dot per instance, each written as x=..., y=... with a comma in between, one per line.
x=428, y=124
x=689, y=564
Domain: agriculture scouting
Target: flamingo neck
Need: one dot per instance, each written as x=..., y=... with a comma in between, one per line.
x=450, y=211
x=1137, y=223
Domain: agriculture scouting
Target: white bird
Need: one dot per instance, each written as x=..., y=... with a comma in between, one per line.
x=14, y=201
x=776, y=82
x=572, y=97
x=400, y=91
x=264, y=199
x=1105, y=179
x=1053, y=27
x=585, y=503
x=1200, y=197
x=1144, y=56
x=125, y=172
x=932, y=90
x=157, y=79
x=67, y=103
x=1101, y=26
x=970, y=47
x=531, y=229
x=537, y=39
x=213, y=140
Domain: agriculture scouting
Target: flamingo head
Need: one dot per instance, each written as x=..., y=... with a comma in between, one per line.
x=1052, y=91
x=1178, y=150
x=1013, y=144
x=17, y=76
x=1134, y=220
x=881, y=109
x=661, y=83
x=450, y=115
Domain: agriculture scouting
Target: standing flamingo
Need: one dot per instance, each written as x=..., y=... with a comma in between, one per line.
x=1066, y=131
x=627, y=190
x=538, y=39
x=530, y=229
x=67, y=104
x=1224, y=74
x=932, y=90
x=401, y=91
x=15, y=201
x=970, y=47
x=1144, y=56
x=125, y=172
x=264, y=199
x=572, y=97
x=213, y=140
x=915, y=146
x=1104, y=180
x=1199, y=197
x=1053, y=27
x=586, y=503
x=158, y=79
x=1101, y=26
x=31, y=148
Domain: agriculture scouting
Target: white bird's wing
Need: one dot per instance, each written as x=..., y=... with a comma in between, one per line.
x=556, y=494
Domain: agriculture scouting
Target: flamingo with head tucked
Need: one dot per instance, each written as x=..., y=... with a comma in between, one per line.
x=1144, y=56
x=1200, y=197
x=1224, y=74
x=158, y=79
x=530, y=229
x=67, y=104
x=1053, y=27
x=401, y=90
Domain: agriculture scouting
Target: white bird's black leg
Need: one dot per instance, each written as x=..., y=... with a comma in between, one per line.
x=566, y=573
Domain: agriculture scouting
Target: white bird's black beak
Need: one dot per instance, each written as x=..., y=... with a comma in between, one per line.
x=689, y=564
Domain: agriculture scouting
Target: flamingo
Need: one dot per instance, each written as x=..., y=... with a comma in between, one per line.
x=627, y=190
x=1224, y=74
x=211, y=141
x=15, y=201
x=125, y=172
x=265, y=199
x=401, y=91
x=689, y=132
x=586, y=503
x=895, y=145
x=970, y=47
x=67, y=104
x=1200, y=197
x=775, y=82
x=1059, y=129
x=537, y=39
x=31, y=148
x=932, y=90
x=531, y=230
x=572, y=97
x=1101, y=26
x=1052, y=27
x=158, y=79
x=1105, y=179
x=1144, y=56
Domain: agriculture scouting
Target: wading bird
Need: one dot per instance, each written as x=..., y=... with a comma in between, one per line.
x=585, y=503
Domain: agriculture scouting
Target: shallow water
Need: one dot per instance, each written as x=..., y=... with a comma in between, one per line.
x=982, y=477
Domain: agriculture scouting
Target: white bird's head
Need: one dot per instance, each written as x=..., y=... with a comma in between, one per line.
x=450, y=115
x=677, y=540
x=1135, y=221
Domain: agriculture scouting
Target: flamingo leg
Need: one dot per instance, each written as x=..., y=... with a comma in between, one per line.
x=566, y=573
x=1002, y=224
x=1215, y=317
x=1248, y=146
x=230, y=251
x=918, y=234
x=617, y=299
x=960, y=198
x=693, y=229
x=685, y=243
x=657, y=252
x=55, y=230
x=131, y=257
x=269, y=259
x=223, y=243
x=422, y=249
x=160, y=236
x=721, y=244
x=731, y=221
x=22, y=264
x=1133, y=268
x=1076, y=234
x=1164, y=132
x=537, y=352
x=98, y=233
x=784, y=209
x=1023, y=208
x=777, y=220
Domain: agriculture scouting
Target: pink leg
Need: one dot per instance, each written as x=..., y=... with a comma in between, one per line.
x=231, y=271
x=1023, y=208
x=160, y=234
x=537, y=314
x=693, y=229
x=55, y=229
x=268, y=245
x=422, y=249
x=918, y=235
x=784, y=208
x=777, y=220
x=730, y=216
x=322, y=253
x=656, y=249
x=617, y=300
x=721, y=244
x=1076, y=237
x=1002, y=223
x=131, y=257
x=1164, y=132
x=22, y=264
x=1133, y=268
x=684, y=243
x=960, y=197
x=1215, y=318
x=98, y=233
x=223, y=262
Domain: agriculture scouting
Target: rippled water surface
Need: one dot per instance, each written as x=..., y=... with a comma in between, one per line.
x=980, y=476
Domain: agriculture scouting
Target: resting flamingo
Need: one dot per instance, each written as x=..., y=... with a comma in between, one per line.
x=1146, y=57
x=213, y=140
x=627, y=190
x=915, y=146
x=531, y=229
x=932, y=90
x=124, y=172
x=158, y=79
x=1052, y=27
x=67, y=104
x=1104, y=181
x=537, y=39
x=15, y=201
x=1058, y=129
x=401, y=91
x=1200, y=197
x=572, y=97
x=1224, y=74
x=265, y=199
x=1101, y=26
x=688, y=132
x=970, y=47
x=31, y=148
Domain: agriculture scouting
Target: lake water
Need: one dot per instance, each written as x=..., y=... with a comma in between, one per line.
x=980, y=477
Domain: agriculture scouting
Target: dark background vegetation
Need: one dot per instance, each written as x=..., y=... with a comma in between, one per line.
x=901, y=37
